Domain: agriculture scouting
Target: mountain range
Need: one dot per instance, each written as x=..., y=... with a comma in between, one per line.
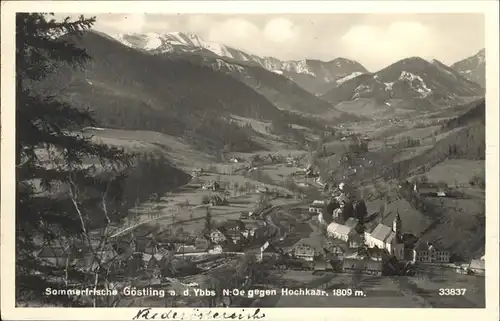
x=180, y=85
x=331, y=79
x=411, y=79
x=132, y=89
x=313, y=75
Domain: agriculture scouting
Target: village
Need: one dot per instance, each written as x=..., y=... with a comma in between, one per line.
x=330, y=233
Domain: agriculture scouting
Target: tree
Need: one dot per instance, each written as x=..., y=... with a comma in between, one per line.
x=360, y=210
x=356, y=276
x=262, y=203
x=348, y=211
x=46, y=125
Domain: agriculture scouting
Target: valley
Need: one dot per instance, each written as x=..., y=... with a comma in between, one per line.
x=182, y=211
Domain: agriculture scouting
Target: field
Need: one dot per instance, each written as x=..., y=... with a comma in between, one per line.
x=368, y=108
x=456, y=171
x=178, y=151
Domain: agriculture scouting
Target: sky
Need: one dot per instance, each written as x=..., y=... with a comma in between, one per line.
x=374, y=40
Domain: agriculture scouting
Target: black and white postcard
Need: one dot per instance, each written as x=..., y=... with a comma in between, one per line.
x=233, y=160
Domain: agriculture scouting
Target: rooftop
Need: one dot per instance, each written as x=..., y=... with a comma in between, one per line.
x=383, y=233
x=338, y=228
x=352, y=222
x=477, y=264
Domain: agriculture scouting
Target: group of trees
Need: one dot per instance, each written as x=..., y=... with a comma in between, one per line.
x=284, y=129
x=214, y=134
x=152, y=174
x=466, y=143
x=60, y=199
x=478, y=180
x=45, y=123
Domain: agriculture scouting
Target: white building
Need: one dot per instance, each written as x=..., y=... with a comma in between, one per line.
x=339, y=231
x=317, y=207
x=216, y=249
x=387, y=238
x=343, y=232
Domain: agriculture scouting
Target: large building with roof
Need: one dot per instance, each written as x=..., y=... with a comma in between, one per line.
x=427, y=253
x=387, y=238
x=343, y=232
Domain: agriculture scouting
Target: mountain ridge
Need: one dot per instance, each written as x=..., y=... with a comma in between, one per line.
x=409, y=78
x=127, y=88
x=312, y=74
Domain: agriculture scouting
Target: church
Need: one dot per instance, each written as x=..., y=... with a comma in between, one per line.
x=388, y=238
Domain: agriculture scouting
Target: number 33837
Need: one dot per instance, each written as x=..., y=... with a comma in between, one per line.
x=445, y=292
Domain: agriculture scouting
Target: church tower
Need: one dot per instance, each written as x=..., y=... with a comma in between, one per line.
x=396, y=226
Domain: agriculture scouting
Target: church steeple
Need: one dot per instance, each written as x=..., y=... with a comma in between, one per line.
x=396, y=225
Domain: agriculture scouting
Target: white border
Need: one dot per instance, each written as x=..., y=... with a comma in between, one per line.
x=489, y=8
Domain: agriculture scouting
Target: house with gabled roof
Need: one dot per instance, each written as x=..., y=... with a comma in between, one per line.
x=304, y=251
x=317, y=207
x=477, y=267
x=339, y=231
x=387, y=238
x=217, y=237
x=344, y=232
x=186, y=249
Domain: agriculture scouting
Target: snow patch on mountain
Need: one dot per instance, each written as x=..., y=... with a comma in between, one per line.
x=388, y=85
x=415, y=82
x=152, y=41
x=360, y=90
x=192, y=40
x=279, y=72
x=180, y=42
x=350, y=76
x=121, y=38
x=224, y=66
x=299, y=67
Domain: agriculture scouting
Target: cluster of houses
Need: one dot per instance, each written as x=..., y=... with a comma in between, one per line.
x=430, y=189
x=375, y=234
x=143, y=255
x=402, y=246
x=232, y=234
